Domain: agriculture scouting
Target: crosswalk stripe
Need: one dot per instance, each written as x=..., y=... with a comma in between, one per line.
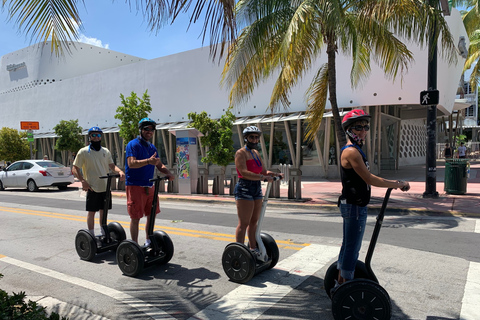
x=471, y=297
x=252, y=300
x=147, y=308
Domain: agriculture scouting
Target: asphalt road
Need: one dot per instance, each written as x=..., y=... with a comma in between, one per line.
x=428, y=265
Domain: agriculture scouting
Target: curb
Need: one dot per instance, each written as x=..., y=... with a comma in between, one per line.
x=325, y=207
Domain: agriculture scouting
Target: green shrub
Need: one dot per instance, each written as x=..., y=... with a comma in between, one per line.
x=14, y=307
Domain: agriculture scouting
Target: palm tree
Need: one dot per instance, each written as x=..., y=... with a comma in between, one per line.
x=59, y=20
x=282, y=38
x=471, y=21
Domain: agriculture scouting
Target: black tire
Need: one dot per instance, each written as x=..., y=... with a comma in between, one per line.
x=332, y=274
x=361, y=299
x=117, y=232
x=1, y=186
x=272, y=249
x=86, y=245
x=165, y=244
x=130, y=258
x=32, y=186
x=238, y=263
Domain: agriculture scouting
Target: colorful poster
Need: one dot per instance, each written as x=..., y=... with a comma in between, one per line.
x=183, y=162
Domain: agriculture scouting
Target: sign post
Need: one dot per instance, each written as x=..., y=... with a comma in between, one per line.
x=30, y=126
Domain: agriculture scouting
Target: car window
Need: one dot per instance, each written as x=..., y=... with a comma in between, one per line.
x=49, y=164
x=27, y=165
x=15, y=166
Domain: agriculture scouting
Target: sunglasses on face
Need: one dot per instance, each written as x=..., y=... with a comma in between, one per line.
x=254, y=137
x=359, y=127
x=96, y=135
x=148, y=129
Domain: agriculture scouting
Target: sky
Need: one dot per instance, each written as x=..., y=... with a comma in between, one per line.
x=116, y=26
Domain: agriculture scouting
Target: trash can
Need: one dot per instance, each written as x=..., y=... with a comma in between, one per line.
x=456, y=176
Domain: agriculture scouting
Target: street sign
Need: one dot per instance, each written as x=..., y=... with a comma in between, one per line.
x=30, y=136
x=29, y=125
x=430, y=97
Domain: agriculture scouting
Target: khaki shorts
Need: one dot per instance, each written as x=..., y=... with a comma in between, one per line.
x=139, y=204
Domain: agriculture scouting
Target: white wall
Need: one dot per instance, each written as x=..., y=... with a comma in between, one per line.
x=92, y=79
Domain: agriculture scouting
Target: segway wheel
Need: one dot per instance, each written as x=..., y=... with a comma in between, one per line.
x=238, y=263
x=361, y=299
x=130, y=258
x=272, y=249
x=165, y=244
x=332, y=274
x=117, y=232
x=86, y=245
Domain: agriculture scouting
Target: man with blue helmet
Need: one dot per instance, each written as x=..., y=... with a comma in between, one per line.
x=94, y=161
x=142, y=158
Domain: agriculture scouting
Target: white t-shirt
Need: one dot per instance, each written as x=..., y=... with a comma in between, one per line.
x=94, y=164
x=461, y=151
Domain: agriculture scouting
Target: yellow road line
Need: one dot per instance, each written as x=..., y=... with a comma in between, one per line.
x=171, y=230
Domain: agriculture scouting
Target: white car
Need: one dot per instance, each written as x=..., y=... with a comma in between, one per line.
x=33, y=174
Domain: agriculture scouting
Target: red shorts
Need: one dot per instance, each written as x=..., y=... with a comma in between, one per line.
x=139, y=204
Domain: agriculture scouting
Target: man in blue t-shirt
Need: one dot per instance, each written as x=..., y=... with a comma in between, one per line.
x=142, y=158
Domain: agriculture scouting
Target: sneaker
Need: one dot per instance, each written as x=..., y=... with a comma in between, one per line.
x=257, y=254
x=148, y=242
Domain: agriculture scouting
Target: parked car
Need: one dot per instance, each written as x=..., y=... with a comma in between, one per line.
x=34, y=174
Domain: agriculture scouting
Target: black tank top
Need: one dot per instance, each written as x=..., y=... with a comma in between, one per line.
x=354, y=189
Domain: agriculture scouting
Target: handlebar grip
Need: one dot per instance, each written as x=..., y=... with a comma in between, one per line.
x=157, y=178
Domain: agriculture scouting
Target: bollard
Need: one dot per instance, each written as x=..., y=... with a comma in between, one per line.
x=233, y=180
x=202, y=184
x=275, y=190
x=295, y=184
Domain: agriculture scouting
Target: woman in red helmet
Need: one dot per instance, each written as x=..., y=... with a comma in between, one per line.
x=356, y=182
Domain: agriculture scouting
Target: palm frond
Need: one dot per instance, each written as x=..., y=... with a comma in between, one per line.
x=317, y=98
x=44, y=20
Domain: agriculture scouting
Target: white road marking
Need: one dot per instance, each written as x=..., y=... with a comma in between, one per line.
x=142, y=306
x=252, y=300
x=477, y=226
x=471, y=297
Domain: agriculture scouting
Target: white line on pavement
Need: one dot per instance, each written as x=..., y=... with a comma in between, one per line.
x=471, y=297
x=264, y=290
x=138, y=304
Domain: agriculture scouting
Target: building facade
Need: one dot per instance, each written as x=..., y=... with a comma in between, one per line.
x=36, y=85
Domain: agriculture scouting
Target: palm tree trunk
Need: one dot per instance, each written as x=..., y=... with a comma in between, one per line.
x=332, y=88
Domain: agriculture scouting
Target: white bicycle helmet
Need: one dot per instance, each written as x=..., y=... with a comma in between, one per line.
x=250, y=130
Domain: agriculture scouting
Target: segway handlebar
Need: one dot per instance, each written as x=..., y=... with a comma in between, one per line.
x=113, y=175
x=157, y=178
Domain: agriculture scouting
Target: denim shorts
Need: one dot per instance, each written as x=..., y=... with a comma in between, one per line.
x=248, y=190
x=354, y=221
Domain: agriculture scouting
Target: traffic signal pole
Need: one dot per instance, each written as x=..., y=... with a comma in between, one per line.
x=431, y=158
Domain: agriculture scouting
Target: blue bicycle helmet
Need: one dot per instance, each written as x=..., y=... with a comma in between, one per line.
x=94, y=129
x=146, y=122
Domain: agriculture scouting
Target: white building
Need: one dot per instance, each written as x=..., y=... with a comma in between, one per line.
x=35, y=85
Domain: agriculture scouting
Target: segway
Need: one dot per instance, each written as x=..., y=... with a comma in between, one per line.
x=362, y=297
x=133, y=258
x=87, y=245
x=239, y=263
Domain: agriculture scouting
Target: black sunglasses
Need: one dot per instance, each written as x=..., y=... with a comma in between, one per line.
x=148, y=129
x=359, y=127
x=96, y=135
x=254, y=137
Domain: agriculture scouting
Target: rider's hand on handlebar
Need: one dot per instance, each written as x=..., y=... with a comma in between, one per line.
x=404, y=185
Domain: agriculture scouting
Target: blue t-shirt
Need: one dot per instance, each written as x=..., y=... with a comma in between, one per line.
x=140, y=149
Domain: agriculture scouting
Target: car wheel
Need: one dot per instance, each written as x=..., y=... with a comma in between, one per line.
x=1, y=186
x=32, y=186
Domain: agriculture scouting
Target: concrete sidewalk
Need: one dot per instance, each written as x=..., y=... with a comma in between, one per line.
x=323, y=194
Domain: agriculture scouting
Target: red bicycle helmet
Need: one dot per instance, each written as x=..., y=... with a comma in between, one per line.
x=354, y=116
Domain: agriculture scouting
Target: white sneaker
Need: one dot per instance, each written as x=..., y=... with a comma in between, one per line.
x=257, y=254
